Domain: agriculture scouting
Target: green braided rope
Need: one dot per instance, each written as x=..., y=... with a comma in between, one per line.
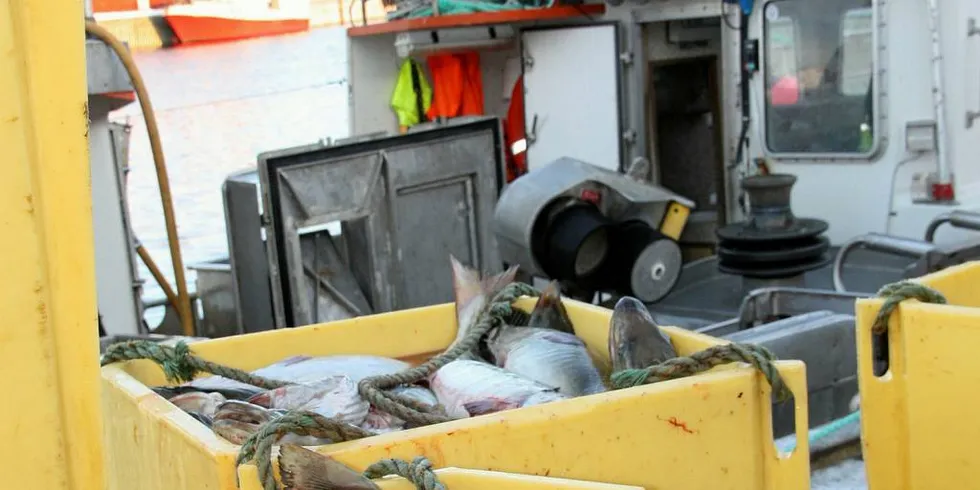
x=419, y=472
x=178, y=364
x=258, y=446
x=900, y=291
x=698, y=362
x=490, y=316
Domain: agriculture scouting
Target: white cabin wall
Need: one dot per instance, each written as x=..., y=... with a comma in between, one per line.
x=731, y=109
x=908, y=57
x=880, y=192
x=498, y=68
x=373, y=71
x=962, y=63
x=962, y=60
x=961, y=84
x=867, y=185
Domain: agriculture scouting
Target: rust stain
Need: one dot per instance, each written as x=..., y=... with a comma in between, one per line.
x=42, y=311
x=436, y=450
x=674, y=421
x=85, y=115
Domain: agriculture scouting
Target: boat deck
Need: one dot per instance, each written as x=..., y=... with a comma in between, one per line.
x=703, y=295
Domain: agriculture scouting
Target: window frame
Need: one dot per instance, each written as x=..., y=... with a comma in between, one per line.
x=879, y=133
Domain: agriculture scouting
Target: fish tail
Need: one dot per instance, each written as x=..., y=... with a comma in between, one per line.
x=550, y=295
x=494, y=284
x=466, y=283
x=302, y=469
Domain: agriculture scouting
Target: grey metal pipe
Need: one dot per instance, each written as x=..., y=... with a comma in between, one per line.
x=935, y=224
x=944, y=173
x=882, y=243
x=959, y=219
x=839, y=262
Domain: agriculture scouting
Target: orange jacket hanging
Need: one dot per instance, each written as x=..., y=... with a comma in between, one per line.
x=457, y=85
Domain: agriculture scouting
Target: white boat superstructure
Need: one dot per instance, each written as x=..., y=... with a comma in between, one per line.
x=912, y=161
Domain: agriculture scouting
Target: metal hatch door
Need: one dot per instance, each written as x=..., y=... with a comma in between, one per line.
x=572, y=94
x=404, y=203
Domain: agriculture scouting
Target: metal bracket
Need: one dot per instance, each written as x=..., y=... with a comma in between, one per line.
x=629, y=136
x=531, y=134
x=626, y=57
x=528, y=60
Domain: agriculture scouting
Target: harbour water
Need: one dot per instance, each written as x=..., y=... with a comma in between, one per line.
x=218, y=106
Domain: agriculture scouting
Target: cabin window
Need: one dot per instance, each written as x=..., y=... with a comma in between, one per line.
x=819, y=66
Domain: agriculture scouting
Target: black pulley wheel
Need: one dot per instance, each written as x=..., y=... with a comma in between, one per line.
x=801, y=228
x=576, y=242
x=643, y=263
x=808, y=250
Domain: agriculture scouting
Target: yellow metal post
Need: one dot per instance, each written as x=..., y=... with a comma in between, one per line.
x=50, y=424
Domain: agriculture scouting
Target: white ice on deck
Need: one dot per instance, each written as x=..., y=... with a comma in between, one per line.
x=846, y=475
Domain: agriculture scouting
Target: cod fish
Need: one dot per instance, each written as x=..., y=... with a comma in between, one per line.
x=302, y=469
x=472, y=293
x=201, y=406
x=468, y=388
x=299, y=369
x=335, y=397
x=235, y=421
x=381, y=422
x=635, y=340
x=549, y=312
x=551, y=357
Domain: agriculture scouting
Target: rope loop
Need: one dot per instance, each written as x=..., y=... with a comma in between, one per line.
x=900, y=291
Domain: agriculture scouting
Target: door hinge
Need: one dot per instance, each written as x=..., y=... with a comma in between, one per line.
x=629, y=136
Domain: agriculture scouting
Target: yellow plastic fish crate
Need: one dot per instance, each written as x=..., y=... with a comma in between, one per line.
x=708, y=431
x=918, y=420
x=457, y=478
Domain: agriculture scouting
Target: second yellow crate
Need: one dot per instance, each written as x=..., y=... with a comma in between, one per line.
x=918, y=419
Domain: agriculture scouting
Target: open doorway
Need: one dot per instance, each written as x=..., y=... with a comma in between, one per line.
x=685, y=119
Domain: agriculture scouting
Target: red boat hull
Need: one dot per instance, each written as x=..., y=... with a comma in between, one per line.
x=197, y=29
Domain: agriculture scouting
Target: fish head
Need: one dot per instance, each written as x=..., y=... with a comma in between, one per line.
x=472, y=293
x=243, y=412
x=485, y=406
x=549, y=312
x=266, y=399
x=192, y=402
x=291, y=396
x=501, y=340
x=303, y=469
x=234, y=431
x=635, y=340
